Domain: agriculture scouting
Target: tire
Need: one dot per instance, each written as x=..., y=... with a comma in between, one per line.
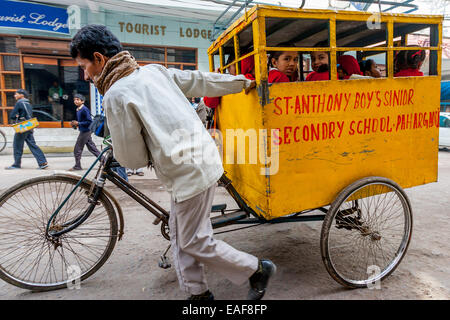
x=29, y=259
x=2, y=141
x=366, y=232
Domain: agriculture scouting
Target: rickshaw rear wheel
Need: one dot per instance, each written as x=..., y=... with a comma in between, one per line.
x=366, y=232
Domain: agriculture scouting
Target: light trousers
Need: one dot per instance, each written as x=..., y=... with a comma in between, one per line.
x=194, y=247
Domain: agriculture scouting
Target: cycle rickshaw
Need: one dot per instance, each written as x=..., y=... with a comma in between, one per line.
x=337, y=151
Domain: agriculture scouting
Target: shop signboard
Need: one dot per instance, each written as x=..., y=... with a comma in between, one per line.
x=21, y=14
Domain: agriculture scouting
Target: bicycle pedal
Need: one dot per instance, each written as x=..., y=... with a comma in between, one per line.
x=164, y=263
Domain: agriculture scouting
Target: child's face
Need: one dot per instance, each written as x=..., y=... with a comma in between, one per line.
x=318, y=58
x=374, y=71
x=287, y=63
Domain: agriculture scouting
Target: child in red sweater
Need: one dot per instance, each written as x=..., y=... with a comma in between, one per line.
x=283, y=66
x=348, y=66
x=319, y=64
x=407, y=63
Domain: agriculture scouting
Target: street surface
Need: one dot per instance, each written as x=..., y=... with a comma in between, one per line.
x=132, y=271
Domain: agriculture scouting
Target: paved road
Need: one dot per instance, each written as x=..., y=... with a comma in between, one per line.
x=132, y=272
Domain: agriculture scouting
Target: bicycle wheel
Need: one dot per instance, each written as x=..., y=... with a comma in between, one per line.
x=2, y=140
x=366, y=232
x=29, y=259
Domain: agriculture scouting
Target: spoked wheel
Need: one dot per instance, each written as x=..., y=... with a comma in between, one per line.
x=366, y=232
x=2, y=141
x=31, y=260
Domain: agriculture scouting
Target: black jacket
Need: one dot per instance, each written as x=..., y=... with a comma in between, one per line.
x=19, y=112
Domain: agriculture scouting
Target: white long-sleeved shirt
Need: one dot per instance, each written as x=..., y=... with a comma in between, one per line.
x=149, y=118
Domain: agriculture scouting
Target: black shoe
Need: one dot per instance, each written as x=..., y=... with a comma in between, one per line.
x=260, y=279
x=205, y=296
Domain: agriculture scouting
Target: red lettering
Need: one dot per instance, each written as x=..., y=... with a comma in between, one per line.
x=357, y=127
x=324, y=131
x=295, y=134
x=306, y=133
x=315, y=132
x=297, y=105
x=367, y=126
x=332, y=128
x=410, y=96
x=374, y=125
x=286, y=135
x=399, y=121
x=277, y=106
x=352, y=131
x=305, y=104
x=287, y=103
x=389, y=128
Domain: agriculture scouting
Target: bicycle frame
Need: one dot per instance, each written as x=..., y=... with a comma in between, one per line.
x=241, y=215
x=107, y=173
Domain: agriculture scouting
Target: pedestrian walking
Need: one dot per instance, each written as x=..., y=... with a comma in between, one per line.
x=83, y=121
x=23, y=111
x=144, y=107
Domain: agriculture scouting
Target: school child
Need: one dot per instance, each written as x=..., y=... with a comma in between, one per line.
x=408, y=63
x=319, y=64
x=348, y=67
x=283, y=66
x=370, y=68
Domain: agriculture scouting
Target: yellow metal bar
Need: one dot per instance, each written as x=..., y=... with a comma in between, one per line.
x=237, y=53
x=259, y=44
x=280, y=12
x=439, y=52
x=221, y=59
x=333, y=57
x=414, y=48
x=390, y=58
x=297, y=49
x=211, y=63
x=240, y=24
x=240, y=59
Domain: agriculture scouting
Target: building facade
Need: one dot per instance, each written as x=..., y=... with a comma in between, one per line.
x=34, y=52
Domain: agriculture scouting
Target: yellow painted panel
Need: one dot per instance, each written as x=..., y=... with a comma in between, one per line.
x=333, y=133
x=243, y=114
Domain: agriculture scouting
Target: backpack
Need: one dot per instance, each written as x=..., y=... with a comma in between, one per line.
x=97, y=126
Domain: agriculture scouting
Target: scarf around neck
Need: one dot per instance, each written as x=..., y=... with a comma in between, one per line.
x=117, y=67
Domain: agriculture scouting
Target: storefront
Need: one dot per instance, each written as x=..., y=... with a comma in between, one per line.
x=34, y=53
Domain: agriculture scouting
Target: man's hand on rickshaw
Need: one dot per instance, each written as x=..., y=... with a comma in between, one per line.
x=250, y=87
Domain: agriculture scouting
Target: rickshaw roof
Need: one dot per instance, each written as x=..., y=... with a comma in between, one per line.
x=311, y=26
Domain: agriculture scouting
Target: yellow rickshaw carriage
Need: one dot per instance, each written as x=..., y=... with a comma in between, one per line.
x=343, y=147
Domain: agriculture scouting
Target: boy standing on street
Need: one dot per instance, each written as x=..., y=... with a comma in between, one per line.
x=145, y=107
x=83, y=121
x=23, y=111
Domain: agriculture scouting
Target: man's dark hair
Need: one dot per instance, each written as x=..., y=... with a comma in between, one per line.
x=79, y=96
x=23, y=91
x=94, y=38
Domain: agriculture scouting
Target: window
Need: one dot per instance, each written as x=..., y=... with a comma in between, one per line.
x=170, y=57
x=415, y=38
x=10, y=76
